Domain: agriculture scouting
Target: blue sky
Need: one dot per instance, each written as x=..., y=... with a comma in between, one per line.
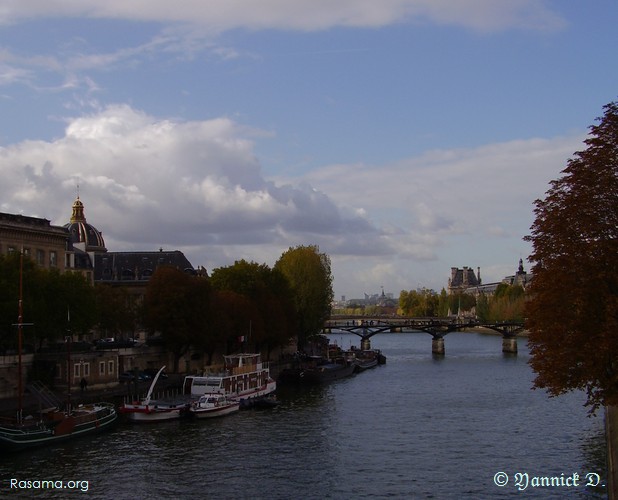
x=403, y=137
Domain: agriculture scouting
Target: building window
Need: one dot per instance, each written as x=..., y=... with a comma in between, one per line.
x=101, y=367
x=76, y=370
x=86, y=370
x=110, y=367
x=40, y=257
x=53, y=259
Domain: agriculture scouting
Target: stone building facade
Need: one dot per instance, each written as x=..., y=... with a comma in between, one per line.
x=45, y=243
x=465, y=281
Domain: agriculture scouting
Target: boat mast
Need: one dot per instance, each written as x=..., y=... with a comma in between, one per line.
x=20, y=330
x=68, y=339
x=20, y=311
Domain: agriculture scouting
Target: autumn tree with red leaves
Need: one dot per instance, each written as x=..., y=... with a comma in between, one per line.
x=572, y=312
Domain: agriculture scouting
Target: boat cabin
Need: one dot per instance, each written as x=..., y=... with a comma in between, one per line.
x=241, y=373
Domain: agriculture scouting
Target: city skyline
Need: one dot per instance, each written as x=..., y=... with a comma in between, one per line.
x=404, y=138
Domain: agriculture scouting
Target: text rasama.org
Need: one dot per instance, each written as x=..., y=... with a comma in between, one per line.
x=44, y=484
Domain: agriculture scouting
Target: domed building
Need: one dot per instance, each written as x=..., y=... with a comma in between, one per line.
x=82, y=235
x=85, y=241
x=89, y=255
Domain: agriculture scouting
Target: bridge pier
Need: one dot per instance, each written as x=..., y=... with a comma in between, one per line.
x=437, y=346
x=509, y=344
x=365, y=344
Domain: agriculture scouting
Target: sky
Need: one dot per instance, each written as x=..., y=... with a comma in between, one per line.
x=402, y=137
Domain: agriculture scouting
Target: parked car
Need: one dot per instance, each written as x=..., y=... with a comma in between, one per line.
x=151, y=372
x=130, y=377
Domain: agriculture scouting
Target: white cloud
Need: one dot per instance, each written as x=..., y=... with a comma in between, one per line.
x=453, y=191
x=197, y=186
x=306, y=15
x=146, y=181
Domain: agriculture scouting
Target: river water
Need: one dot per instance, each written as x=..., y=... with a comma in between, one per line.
x=417, y=427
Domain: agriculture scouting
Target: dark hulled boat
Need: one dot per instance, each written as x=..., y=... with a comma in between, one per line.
x=54, y=424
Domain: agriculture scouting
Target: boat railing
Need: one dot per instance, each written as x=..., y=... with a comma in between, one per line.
x=166, y=395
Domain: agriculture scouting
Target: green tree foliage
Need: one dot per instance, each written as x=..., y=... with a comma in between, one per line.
x=230, y=314
x=176, y=304
x=419, y=303
x=9, y=297
x=461, y=302
x=482, y=308
x=308, y=273
x=572, y=313
x=425, y=303
x=116, y=311
x=507, y=304
x=48, y=297
x=65, y=302
x=269, y=292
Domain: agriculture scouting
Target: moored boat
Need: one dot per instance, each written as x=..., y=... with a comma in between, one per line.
x=155, y=410
x=54, y=424
x=318, y=370
x=214, y=405
x=367, y=359
x=244, y=377
x=327, y=371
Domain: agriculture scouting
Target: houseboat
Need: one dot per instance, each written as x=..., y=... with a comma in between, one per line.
x=244, y=377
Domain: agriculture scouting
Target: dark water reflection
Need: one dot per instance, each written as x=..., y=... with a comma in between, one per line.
x=415, y=428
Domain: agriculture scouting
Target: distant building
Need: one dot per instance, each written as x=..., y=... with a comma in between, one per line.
x=78, y=246
x=134, y=268
x=465, y=281
x=521, y=277
x=129, y=269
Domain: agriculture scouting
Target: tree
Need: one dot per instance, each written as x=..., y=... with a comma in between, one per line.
x=64, y=303
x=418, y=303
x=269, y=293
x=48, y=297
x=572, y=313
x=224, y=316
x=176, y=304
x=308, y=273
x=117, y=312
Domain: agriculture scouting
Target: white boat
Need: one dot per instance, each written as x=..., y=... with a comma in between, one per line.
x=243, y=377
x=149, y=410
x=214, y=405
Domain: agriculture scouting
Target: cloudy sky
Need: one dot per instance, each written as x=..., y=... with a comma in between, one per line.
x=404, y=137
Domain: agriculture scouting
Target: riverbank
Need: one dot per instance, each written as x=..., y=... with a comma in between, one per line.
x=171, y=385
x=30, y=402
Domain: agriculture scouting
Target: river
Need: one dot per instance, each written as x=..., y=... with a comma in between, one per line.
x=417, y=427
